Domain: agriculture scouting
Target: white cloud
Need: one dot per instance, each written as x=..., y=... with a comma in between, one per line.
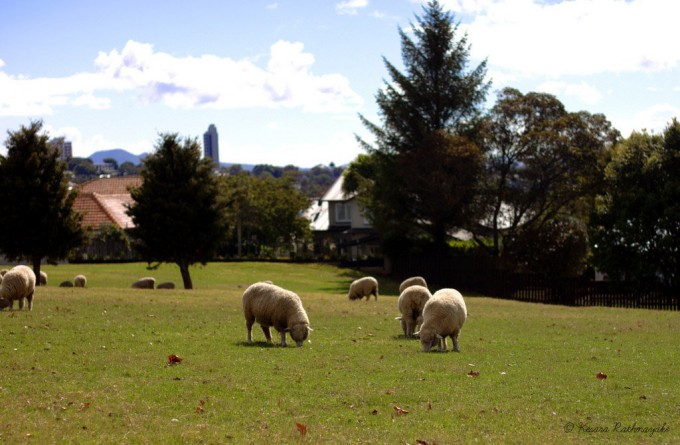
x=654, y=119
x=574, y=37
x=350, y=6
x=584, y=92
x=207, y=81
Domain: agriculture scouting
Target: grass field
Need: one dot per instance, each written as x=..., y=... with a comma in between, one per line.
x=91, y=366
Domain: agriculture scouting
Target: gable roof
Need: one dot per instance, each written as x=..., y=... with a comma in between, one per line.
x=335, y=192
x=105, y=201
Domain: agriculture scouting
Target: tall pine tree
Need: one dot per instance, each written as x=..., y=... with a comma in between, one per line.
x=422, y=172
x=37, y=220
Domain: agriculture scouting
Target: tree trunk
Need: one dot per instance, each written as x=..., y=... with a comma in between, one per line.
x=186, y=277
x=36, y=269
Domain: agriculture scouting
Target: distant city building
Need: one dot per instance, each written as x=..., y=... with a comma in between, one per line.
x=65, y=146
x=211, y=148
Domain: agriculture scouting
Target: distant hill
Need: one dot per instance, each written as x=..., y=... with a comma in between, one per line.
x=118, y=154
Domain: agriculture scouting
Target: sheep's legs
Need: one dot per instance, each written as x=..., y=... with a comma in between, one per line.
x=283, y=338
x=267, y=334
x=455, y=343
x=249, y=329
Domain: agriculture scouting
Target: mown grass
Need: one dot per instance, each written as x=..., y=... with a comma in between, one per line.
x=90, y=366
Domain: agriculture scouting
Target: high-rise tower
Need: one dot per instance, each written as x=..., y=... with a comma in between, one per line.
x=211, y=148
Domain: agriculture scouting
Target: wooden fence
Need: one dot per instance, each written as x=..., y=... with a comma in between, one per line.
x=478, y=275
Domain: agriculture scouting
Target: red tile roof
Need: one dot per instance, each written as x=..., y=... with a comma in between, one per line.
x=104, y=201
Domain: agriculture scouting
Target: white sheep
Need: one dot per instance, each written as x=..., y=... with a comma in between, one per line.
x=271, y=305
x=363, y=287
x=144, y=283
x=443, y=316
x=43, y=278
x=410, y=303
x=80, y=281
x=17, y=284
x=413, y=281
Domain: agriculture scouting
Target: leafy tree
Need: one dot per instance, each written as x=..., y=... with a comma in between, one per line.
x=637, y=224
x=83, y=169
x=127, y=168
x=112, y=162
x=37, y=220
x=422, y=150
x=177, y=214
x=544, y=167
x=265, y=212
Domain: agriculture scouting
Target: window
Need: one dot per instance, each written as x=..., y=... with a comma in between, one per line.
x=343, y=212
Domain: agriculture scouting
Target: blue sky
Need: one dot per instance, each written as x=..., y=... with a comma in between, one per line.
x=284, y=81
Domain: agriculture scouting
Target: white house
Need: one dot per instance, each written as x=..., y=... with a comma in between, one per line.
x=340, y=227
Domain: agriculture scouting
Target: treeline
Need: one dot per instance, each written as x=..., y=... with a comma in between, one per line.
x=312, y=182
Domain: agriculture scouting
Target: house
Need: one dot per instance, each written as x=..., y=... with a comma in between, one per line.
x=104, y=201
x=340, y=227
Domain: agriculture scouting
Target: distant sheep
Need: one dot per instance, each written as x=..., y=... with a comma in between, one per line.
x=43, y=278
x=271, y=305
x=410, y=303
x=80, y=281
x=17, y=284
x=166, y=285
x=443, y=316
x=413, y=281
x=363, y=287
x=66, y=283
x=144, y=283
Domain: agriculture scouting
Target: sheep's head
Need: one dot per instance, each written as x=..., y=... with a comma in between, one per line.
x=428, y=339
x=3, y=303
x=299, y=333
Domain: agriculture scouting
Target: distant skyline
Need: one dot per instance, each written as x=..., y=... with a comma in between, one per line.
x=284, y=81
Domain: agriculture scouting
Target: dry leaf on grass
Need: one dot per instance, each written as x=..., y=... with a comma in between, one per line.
x=399, y=410
x=473, y=374
x=174, y=359
x=302, y=428
x=601, y=375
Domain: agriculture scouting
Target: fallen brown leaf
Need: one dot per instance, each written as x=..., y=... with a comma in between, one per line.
x=302, y=428
x=174, y=359
x=399, y=410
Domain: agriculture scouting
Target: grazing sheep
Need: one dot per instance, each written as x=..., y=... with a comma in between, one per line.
x=80, y=281
x=363, y=287
x=413, y=281
x=410, y=303
x=43, y=278
x=166, y=285
x=17, y=284
x=144, y=283
x=443, y=315
x=271, y=305
x=66, y=283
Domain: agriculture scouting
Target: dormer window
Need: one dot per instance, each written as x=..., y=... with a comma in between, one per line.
x=343, y=212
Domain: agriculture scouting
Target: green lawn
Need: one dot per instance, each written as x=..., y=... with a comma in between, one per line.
x=90, y=366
